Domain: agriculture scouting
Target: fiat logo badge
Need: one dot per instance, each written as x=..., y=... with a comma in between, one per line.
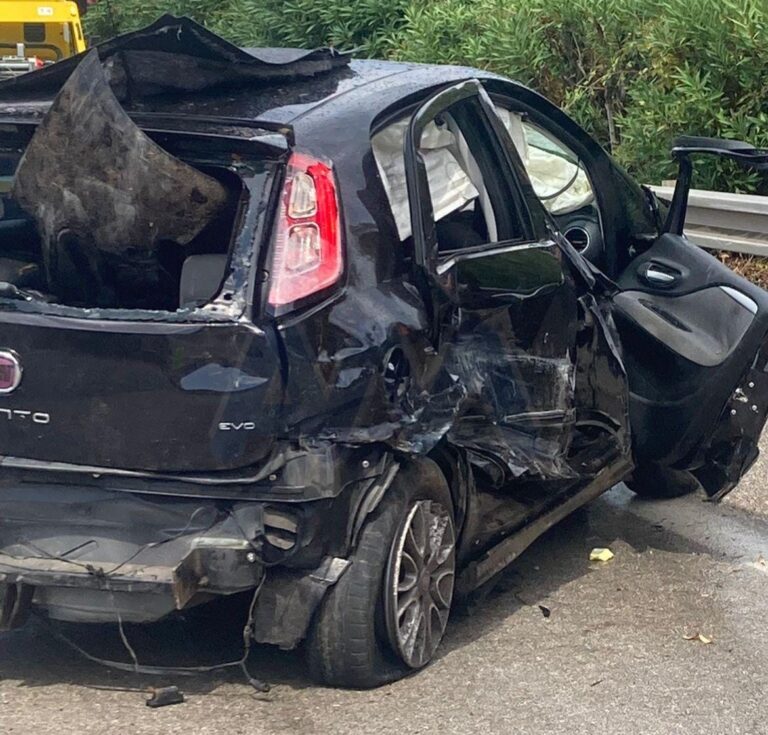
x=10, y=371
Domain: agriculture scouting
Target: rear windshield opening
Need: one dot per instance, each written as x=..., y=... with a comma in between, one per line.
x=131, y=215
x=166, y=276
x=100, y=214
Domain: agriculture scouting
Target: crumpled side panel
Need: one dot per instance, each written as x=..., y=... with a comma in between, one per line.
x=511, y=408
x=501, y=381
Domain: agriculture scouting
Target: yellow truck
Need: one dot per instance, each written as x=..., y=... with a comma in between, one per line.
x=35, y=33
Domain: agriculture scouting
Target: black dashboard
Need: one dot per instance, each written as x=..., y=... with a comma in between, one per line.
x=582, y=229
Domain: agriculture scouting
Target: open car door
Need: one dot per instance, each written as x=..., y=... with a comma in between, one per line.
x=694, y=338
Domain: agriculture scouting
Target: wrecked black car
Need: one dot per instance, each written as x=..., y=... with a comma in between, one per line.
x=343, y=335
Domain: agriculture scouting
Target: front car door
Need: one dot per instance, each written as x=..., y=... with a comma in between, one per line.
x=692, y=332
x=694, y=336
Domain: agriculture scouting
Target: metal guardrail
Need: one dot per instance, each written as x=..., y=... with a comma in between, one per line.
x=719, y=221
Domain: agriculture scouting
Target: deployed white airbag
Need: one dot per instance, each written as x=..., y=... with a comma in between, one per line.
x=450, y=184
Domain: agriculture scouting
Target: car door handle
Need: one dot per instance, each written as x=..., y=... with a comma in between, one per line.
x=659, y=276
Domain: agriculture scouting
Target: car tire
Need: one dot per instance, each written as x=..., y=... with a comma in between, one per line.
x=353, y=640
x=654, y=482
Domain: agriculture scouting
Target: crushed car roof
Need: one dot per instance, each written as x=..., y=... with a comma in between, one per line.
x=177, y=55
x=177, y=66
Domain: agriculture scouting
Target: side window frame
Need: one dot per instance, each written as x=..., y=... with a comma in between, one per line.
x=504, y=174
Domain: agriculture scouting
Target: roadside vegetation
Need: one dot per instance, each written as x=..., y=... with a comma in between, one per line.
x=635, y=73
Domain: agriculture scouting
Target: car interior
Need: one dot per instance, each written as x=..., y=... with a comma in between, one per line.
x=173, y=276
x=462, y=210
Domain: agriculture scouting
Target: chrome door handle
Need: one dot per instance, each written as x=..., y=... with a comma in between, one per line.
x=658, y=277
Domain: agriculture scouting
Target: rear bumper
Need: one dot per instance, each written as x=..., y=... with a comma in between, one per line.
x=71, y=542
x=94, y=555
x=99, y=548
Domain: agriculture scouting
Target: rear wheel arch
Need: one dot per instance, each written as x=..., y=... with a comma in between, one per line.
x=434, y=470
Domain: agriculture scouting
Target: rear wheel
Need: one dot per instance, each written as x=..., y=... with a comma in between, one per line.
x=387, y=614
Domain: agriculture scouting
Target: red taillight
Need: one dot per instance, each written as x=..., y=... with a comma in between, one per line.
x=307, y=247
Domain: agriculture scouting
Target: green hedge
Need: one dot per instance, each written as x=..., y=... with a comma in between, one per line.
x=635, y=73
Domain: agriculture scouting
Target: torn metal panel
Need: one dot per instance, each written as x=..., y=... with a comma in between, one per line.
x=106, y=198
x=515, y=408
x=289, y=598
x=177, y=55
x=518, y=407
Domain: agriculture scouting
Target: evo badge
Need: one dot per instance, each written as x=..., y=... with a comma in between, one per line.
x=241, y=426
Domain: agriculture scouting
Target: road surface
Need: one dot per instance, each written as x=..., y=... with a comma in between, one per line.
x=612, y=657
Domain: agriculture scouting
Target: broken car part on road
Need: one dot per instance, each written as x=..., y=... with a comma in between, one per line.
x=354, y=374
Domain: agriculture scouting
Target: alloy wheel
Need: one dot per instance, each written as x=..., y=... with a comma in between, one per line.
x=419, y=582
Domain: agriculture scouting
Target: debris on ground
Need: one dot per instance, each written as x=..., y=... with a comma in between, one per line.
x=697, y=637
x=599, y=554
x=545, y=611
x=164, y=696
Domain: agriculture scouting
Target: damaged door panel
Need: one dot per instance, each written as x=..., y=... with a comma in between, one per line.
x=493, y=264
x=242, y=352
x=694, y=334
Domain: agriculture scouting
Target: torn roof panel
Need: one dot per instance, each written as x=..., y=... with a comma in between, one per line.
x=109, y=191
x=176, y=55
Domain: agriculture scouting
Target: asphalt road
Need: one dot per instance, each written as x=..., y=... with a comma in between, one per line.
x=752, y=492
x=612, y=657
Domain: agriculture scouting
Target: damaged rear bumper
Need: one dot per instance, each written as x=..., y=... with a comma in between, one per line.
x=87, y=554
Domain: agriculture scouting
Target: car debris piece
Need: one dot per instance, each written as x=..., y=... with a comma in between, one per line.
x=600, y=554
x=105, y=198
x=164, y=696
x=698, y=637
